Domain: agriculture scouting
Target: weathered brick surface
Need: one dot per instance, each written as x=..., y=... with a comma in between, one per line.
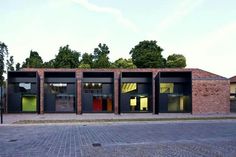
x=116, y=92
x=210, y=96
x=79, y=77
x=210, y=92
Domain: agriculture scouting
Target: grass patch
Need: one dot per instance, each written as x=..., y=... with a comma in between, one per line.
x=120, y=120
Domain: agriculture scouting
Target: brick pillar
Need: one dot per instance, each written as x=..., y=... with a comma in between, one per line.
x=154, y=74
x=116, y=92
x=79, y=76
x=41, y=94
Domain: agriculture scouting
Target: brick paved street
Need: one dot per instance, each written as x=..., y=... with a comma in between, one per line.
x=201, y=138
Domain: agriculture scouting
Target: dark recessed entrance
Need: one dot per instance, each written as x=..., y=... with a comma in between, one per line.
x=59, y=92
x=23, y=92
x=135, y=92
x=97, y=92
x=173, y=92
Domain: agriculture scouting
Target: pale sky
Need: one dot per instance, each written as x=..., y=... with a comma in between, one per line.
x=202, y=30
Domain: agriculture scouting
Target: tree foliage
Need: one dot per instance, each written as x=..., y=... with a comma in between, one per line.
x=33, y=61
x=86, y=61
x=123, y=63
x=3, y=54
x=10, y=64
x=100, y=56
x=18, y=67
x=49, y=64
x=67, y=58
x=176, y=61
x=147, y=54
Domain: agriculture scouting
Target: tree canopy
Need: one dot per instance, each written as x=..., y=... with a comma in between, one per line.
x=86, y=61
x=176, y=61
x=33, y=61
x=67, y=58
x=3, y=54
x=100, y=56
x=147, y=54
x=123, y=63
x=10, y=64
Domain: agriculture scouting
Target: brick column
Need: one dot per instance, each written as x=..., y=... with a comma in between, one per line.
x=154, y=74
x=41, y=94
x=79, y=76
x=116, y=92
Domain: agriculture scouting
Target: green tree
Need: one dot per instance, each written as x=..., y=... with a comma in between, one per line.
x=3, y=54
x=86, y=61
x=84, y=66
x=67, y=58
x=147, y=54
x=10, y=63
x=176, y=61
x=100, y=56
x=123, y=63
x=18, y=66
x=49, y=64
x=34, y=61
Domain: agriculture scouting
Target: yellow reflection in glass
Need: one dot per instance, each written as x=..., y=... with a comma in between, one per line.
x=128, y=87
x=133, y=101
x=166, y=87
x=143, y=103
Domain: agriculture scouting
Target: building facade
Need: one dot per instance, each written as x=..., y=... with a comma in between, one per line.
x=117, y=91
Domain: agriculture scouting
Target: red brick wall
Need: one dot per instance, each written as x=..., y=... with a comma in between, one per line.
x=210, y=96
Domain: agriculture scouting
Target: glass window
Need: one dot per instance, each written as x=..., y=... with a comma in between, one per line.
x=143, y=103
x=102, y=103
x=128, y=87
x=177, y=103
x=58, y=87
x=166, y=87
x=93, y=86
x=29, y=103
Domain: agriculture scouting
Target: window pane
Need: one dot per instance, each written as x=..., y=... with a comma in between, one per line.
x=28, y=103
x=128, y=87
x=143, y=103
x=177, y=103
x=166, y=87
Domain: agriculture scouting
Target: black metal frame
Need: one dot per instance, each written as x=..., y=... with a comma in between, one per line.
x=26, y=77
x=139, y=78
x=174, y=77
x=97, y=77
x=59, y=77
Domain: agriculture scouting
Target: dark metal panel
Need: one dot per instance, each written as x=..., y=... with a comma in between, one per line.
x=49, y=102
x=22, y=79
x=174, y=79
x=60, y=80
x=137, y=80
x=98, y=80
x=14, y=102
x=163, y=103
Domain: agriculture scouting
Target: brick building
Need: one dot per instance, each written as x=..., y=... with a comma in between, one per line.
x=117, y=91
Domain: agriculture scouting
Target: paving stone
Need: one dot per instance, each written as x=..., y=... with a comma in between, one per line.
x=216, y=139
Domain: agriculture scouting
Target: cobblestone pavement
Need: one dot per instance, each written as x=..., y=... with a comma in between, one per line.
x=211, y=139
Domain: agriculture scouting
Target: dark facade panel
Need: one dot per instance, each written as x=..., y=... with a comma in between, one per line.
x=174, y=92
x=136, y=92
x=97, y=92
x=99, y=79
x=60, y=92
x=23, y=92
